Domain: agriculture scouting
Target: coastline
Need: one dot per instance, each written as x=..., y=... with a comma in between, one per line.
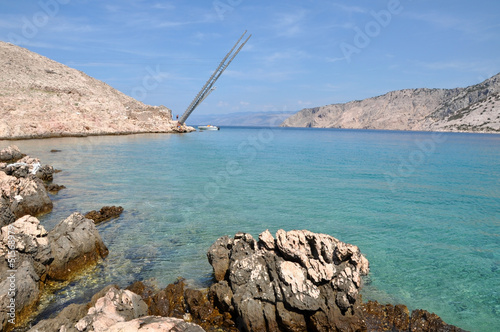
x=188, y=129
x=399, y=130
x=185, y=129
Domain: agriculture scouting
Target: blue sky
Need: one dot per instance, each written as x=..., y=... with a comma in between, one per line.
x=302, y=53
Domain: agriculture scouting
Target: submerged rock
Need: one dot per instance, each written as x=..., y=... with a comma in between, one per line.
x=106, y=213
x=192, y=305
x=54, y=188
x=298, y=281
x=397, y=318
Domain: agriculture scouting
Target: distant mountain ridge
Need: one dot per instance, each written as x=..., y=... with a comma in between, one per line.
x=250, y=119
x=40, y=97
x=472, y=109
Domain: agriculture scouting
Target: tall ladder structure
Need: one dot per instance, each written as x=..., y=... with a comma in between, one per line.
x=208, y=87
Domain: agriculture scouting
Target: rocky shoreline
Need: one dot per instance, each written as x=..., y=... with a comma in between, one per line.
x=292, y=281
x=33, y=257
x=172, y=129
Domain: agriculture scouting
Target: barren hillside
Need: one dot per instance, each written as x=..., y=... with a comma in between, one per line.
x=474, y=109
x=43, y=98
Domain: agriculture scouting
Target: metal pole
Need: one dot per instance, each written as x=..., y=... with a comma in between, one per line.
x=207, y=88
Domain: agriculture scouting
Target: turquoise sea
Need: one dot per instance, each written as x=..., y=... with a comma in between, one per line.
x=424, y=208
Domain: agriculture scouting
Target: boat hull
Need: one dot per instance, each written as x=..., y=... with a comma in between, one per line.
x=209, y=127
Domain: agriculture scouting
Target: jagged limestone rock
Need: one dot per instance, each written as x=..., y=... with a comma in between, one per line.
x=296, y=280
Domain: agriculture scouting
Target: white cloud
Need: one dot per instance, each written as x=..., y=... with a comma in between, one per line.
x=439, y=19
x=332, y=87
x=263, y=75
x=276, y=56
x=351, y=9
x=67, y=26
x=203, y=36
x=335, y=59
x=344, y=26
x=289, y=54
x=164, y=6
x=112, y=8
x=31, y=43
x=10, y=22
x=95, y=64
x=289, y=24
x=455, y=65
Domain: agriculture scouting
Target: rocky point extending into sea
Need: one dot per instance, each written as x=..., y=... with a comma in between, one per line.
x=43, y=98
x=292, y=281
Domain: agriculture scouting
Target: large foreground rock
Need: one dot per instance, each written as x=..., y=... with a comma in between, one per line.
x=303, y=281
x=113, y=309
x=156, y=324
x=76, y=244
x=297, y=282
x=25, y=254
x=30, y=256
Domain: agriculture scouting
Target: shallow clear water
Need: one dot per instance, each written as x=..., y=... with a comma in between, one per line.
x=424, y=208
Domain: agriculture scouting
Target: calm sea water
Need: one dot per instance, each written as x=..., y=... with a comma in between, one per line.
x=424, y=208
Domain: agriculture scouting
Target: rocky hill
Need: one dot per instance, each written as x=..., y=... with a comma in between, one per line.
x=40, y=97
x=474, y=109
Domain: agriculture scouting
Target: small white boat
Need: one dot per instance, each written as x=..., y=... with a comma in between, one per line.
x=208, y=127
